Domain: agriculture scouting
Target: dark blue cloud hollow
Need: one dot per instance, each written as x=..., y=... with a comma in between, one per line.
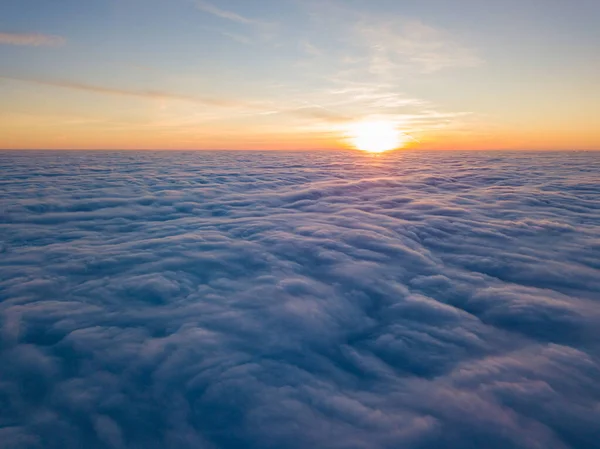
x=294, y=300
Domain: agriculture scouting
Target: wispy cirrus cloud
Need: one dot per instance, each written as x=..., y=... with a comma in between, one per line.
x=309, y=48
x=31, y=39
x=239, y=38
x=260, y=30
x=368, y=56
x=389, y=46
x=412, y=45
x=142, y=93
x=225, y=14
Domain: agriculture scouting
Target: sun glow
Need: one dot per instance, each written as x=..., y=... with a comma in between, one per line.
x=376, y=137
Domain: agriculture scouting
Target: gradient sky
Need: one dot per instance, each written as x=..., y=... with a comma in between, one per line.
x=298, y=74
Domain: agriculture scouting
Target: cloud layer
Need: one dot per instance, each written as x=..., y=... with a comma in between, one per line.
x=293, y=300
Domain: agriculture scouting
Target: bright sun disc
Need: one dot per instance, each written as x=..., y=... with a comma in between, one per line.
x=376, y=137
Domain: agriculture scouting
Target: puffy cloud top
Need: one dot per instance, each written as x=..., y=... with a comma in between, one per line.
x=294, y=300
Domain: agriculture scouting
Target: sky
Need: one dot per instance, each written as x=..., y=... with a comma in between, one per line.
x=298, y=74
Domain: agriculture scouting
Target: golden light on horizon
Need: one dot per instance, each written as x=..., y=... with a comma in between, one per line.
x=376, y=136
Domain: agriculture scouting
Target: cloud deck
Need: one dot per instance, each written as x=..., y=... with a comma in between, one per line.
x=293, y=300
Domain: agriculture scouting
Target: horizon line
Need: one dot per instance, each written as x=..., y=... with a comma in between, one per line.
x=558, y=150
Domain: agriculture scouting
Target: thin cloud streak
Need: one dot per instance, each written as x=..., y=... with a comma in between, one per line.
x=147, y=94
x=31, y=39
x=224, y=14
x=239, y=38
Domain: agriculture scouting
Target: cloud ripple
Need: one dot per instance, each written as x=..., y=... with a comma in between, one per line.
x=293, y=300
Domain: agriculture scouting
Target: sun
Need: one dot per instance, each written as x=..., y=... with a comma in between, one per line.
x=376, y=137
